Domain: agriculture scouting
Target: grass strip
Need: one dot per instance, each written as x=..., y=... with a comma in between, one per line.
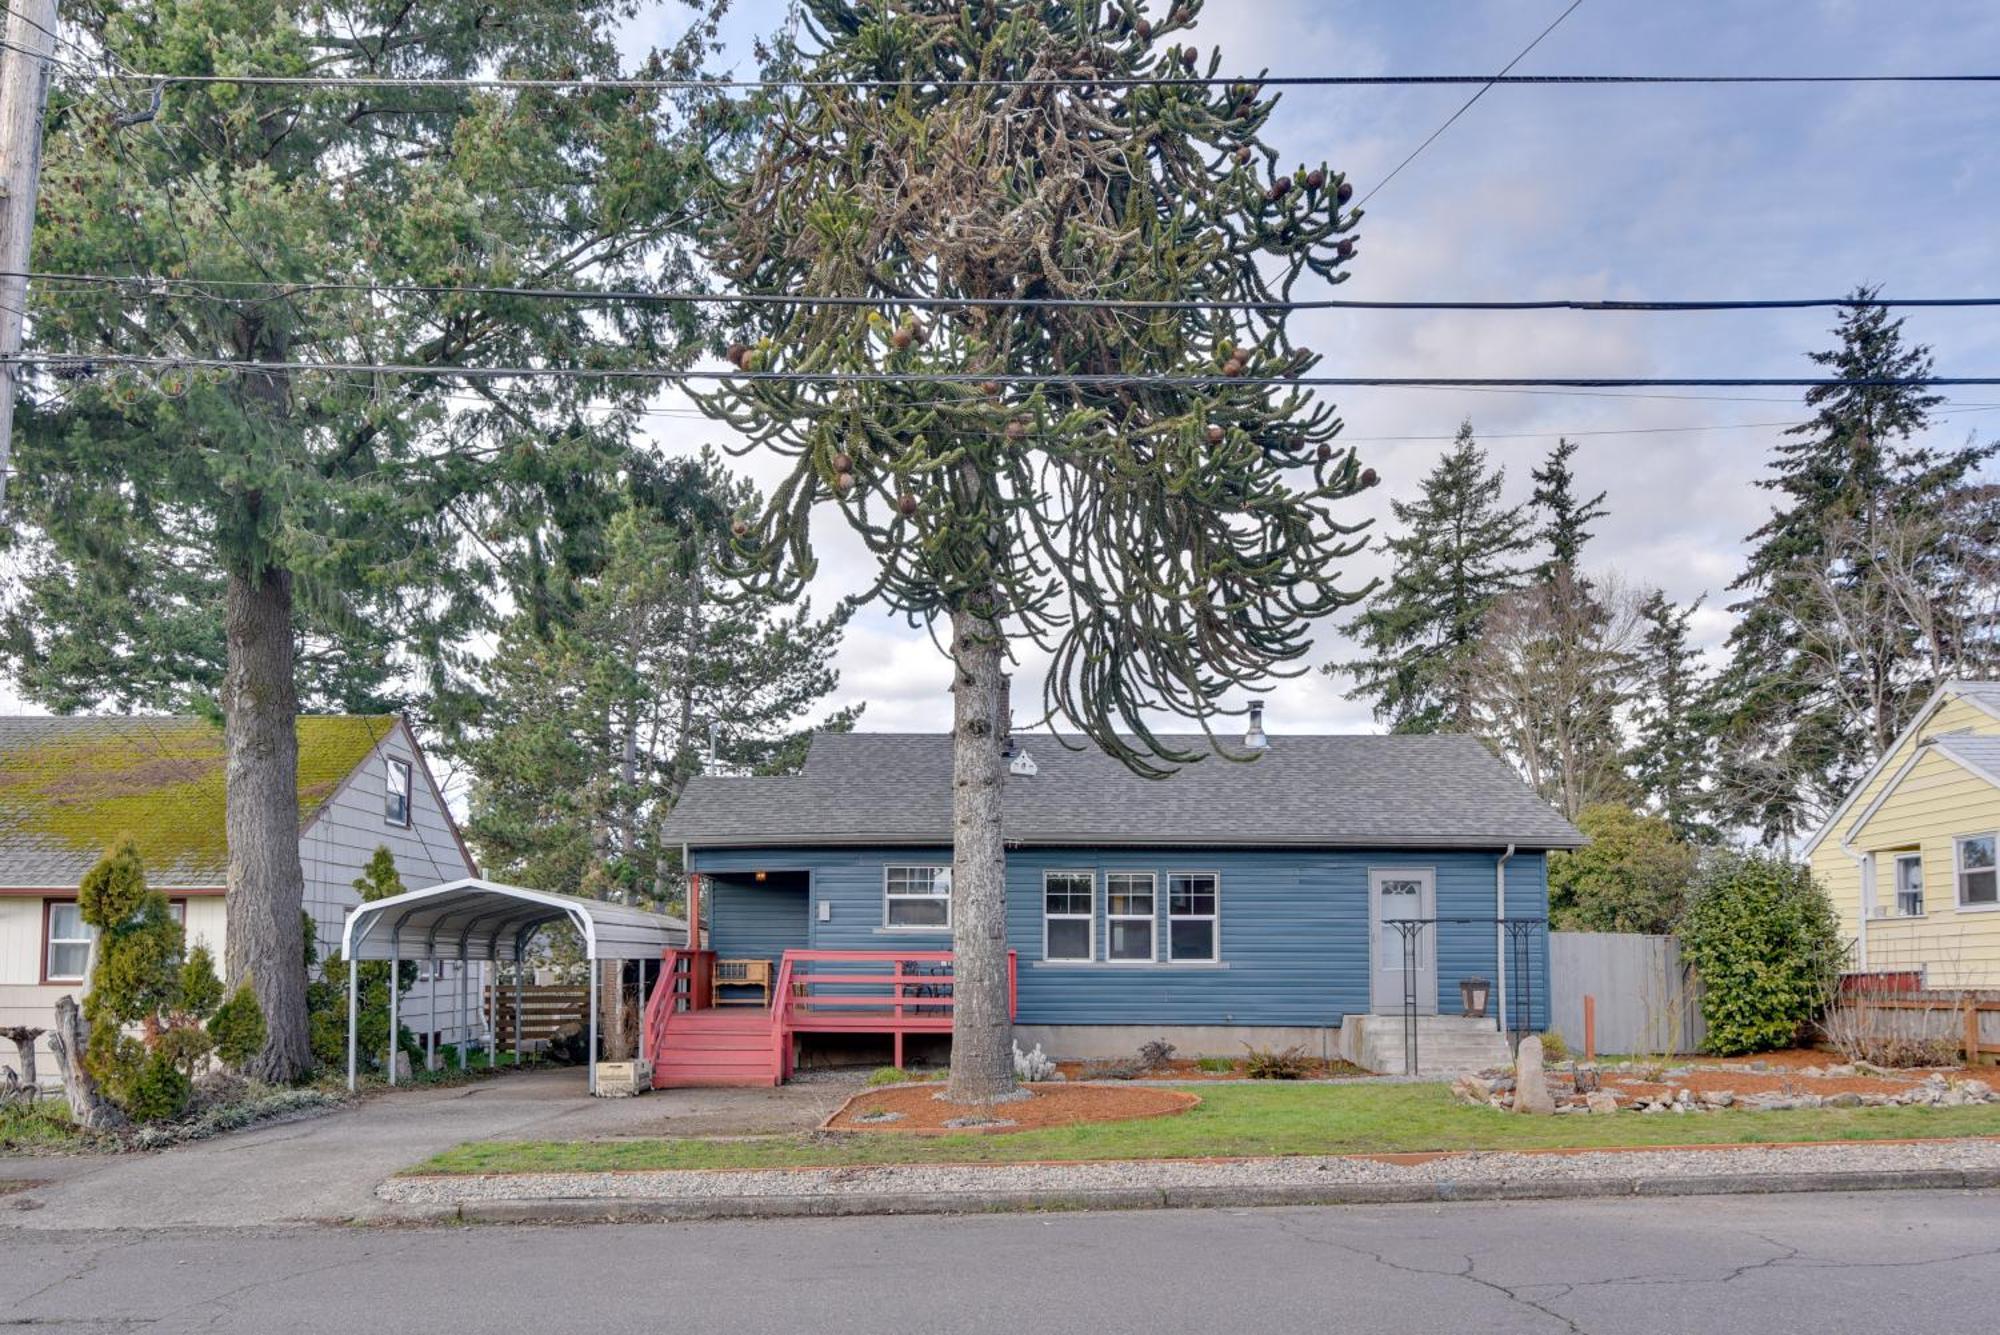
x=1233, y=1121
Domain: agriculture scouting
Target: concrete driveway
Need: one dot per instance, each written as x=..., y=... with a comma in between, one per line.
x=326, y=1168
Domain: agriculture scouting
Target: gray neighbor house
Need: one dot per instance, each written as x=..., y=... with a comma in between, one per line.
x=70, y=787
x=1234, y=902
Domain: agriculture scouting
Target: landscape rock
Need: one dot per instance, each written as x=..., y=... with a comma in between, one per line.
x=1601, y=1101
x=1844, y=1101
x=1531, y=1086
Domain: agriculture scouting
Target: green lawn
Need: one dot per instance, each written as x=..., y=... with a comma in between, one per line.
x=41, y=1125
x=1250, y=1119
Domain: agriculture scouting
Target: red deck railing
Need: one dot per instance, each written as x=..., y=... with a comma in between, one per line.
x=897, y=992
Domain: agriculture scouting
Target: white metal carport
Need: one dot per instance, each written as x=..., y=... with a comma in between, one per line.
x=480, y=921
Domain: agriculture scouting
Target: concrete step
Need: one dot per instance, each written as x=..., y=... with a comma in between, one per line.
x=1446, y=1044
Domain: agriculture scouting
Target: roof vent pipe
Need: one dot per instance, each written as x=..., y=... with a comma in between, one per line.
x=1254, y=738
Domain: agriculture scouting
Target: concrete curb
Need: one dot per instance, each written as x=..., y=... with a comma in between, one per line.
x=580, y=1211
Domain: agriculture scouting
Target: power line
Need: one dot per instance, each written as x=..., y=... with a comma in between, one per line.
x=160, y=285
x=499, y=83
x=1484, y=89
x=1066, y=380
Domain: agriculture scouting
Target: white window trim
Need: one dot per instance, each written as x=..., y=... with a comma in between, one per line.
x=1215, y=918
x=1896, y=861
x=50, y=941
x=1089, y=916
x=1958, y=844
x=888, y=926
x=408, y=771
x=1151, y=919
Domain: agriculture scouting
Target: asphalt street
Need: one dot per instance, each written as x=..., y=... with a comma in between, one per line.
x=1874, y=1261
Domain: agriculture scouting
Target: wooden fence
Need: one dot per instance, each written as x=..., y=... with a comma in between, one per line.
x=1645, y=1001
x=543, y=1011
x=1881, y=1010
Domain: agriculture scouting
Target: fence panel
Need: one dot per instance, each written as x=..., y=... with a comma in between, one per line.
x=1646, y=1002
x=543, y=1011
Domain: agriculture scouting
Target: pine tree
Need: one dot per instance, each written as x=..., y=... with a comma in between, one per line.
x=1670, y=749
x=1167, y=533
x=1567, y=520
x=1813, y=693
x=1455, y=554
x=251, y=507
x=600, y=710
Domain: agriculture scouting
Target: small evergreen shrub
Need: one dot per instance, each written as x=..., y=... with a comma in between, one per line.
x=1554, y=1048
x=157, y=1090
x=135, y=978
x=1763, y=937
x=238, y=1028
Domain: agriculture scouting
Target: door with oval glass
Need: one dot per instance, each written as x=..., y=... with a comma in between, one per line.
x=1401, y=893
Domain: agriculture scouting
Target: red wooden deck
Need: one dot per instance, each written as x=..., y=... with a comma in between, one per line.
x=692, y=1042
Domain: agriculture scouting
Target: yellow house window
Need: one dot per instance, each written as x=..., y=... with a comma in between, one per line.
x=1978, y=874
x=1909, y=885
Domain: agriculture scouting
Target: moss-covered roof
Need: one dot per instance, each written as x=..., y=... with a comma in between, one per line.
x=71, y=787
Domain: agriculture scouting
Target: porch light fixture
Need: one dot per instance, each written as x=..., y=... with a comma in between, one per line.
x=761, y=875
x=1473, y=993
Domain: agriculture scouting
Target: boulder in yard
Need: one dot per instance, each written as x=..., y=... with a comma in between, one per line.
x=1601, y=1101
x=1531, y=1085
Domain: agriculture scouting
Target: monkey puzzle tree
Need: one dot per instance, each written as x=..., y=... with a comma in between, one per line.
x=1137, y=491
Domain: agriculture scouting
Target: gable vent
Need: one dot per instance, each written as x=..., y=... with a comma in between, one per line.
x=1022, y=764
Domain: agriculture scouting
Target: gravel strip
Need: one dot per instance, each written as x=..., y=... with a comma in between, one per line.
x=988, y=1181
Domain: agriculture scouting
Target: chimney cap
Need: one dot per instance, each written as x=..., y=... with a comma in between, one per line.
x=1253, y=736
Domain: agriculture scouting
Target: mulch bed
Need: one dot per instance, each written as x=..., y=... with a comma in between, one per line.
x=917, y=1108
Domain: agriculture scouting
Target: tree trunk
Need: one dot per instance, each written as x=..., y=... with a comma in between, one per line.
x=266, y=891
x=87, y=1105
x=982, y=1029
x=611, y=1033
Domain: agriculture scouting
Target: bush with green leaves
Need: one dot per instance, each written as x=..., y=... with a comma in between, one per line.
x=237, y=1027
x=1762, y=936
x=1633, y=875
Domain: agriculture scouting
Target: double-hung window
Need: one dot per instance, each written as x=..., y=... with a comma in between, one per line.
x=916, y=897
x=1069, y=915
x=1978, y=874
x=396, y=793
x=1191, y=917
x=69, y=938
x=1909, y=885
x=1128, y=917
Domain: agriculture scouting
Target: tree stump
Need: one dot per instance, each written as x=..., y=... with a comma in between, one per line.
x=23, y=1037
x=87, y=1104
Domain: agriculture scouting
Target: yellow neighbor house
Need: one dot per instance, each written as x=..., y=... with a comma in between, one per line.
x=1912, y=857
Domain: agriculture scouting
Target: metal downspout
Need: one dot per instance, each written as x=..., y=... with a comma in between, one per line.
x=1500, y=936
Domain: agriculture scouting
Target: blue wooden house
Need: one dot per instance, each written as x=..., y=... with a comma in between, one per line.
x=1334, y=891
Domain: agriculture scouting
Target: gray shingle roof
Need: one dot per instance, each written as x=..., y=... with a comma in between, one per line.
x=1978, y=750
x=1434, y=791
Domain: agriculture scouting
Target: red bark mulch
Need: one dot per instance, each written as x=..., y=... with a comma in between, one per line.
x=1056, y=1104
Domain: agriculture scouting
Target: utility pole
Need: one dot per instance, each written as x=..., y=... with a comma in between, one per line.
x=24, y=91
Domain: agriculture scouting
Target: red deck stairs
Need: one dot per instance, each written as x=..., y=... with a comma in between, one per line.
x=730, y=1046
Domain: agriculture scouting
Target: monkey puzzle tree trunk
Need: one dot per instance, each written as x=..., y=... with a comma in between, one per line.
x=982, y=1029
x=266, y=891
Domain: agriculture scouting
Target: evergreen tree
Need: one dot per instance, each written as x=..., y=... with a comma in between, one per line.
x=1670, y=749
x=1812, y=695
x=253, y=506
x=326, y=989
x=1455, y=554
x=1567, y=520
x=134, y=984
x=1163, y=520
x=598, y=714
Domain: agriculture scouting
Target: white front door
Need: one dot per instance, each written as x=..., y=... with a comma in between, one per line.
x=1402, y=894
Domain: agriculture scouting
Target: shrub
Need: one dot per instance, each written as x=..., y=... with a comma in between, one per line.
x=1277, y=1063
x=887, y=1075
x=135, y=977
x=1215, y=1065
x=1033, y=1066
x=1554, y=1048
x=1633, y=875
x=153, y=1088
x=1763, y=937
x=238, y=1027
x=1155, y=1054
x=326, y=987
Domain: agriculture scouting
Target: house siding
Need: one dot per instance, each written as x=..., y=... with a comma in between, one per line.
x=1293, y=928
x=332, y=852
x=756, y=922
x=1936, y=802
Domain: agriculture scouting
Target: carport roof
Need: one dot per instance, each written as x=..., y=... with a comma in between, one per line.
x=477, y=919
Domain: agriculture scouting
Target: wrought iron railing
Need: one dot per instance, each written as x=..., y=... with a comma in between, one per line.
x=1519, y=967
